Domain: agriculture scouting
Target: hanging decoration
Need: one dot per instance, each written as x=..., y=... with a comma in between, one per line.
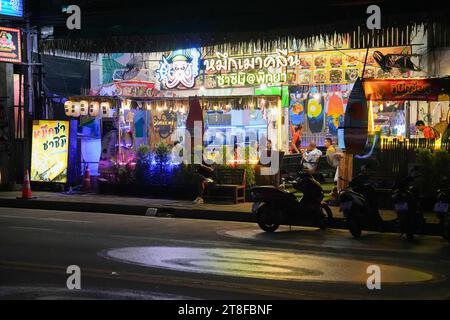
x=84, y=108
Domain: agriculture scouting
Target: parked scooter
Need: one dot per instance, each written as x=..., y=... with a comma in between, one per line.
x=406, y=203
x=441, y=207
x=359, y=204
x=274, y=207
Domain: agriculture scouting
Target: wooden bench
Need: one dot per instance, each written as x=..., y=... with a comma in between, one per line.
x=230, y=186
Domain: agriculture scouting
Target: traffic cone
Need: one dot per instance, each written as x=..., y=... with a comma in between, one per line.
x=86, y=181
x=26, y=189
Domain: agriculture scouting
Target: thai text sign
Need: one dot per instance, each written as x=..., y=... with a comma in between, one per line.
x=403, y=89
x=295, y=68
x=49, y=156
x=10, y=46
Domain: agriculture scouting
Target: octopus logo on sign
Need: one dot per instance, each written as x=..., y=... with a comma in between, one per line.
x=180, y=67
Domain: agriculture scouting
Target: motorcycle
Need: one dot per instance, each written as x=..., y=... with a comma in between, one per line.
x=274, y=206
x=441, y=207
x=359, y=204
x=406, y=203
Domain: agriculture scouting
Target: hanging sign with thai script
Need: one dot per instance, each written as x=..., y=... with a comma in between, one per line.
x=49, y=156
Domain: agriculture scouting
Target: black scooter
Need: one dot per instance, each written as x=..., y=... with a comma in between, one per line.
x=359, y=204
x=441, y=207
x=274, y=207
x=406, y=203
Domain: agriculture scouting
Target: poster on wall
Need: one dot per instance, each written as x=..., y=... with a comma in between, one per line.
x=50, y=149
x=10, y=45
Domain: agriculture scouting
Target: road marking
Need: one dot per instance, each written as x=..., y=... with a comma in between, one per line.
x=29, y=228
x=45, y=219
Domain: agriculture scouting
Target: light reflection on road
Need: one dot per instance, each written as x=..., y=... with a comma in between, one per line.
x=263, y=264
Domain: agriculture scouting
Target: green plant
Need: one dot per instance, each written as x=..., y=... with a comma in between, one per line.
x=432, y=170
x=143, y=150
x=162, y=153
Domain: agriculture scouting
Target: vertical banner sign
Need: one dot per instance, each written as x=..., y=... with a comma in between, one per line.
x=49, y=155
x=356, y=120
x=10, y=45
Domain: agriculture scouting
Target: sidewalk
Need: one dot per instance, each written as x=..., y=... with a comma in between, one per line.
x=165, y=207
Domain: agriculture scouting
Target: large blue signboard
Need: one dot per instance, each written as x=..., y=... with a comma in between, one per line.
x=12, y=8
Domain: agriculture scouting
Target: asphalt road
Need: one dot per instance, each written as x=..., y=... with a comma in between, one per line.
x=133, y=257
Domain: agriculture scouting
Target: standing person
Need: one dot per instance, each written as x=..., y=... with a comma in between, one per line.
x=297, y=139
x=428, y=132
x=333, y=159
x=311, y=157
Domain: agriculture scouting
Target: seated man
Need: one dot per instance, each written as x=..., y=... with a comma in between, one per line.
x=206, y=176
x=311, y=157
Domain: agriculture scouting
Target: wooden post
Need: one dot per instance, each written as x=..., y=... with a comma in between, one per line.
x=345, y=171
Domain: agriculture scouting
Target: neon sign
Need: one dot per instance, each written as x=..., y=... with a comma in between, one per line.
x=180, y=67
x=12, y=8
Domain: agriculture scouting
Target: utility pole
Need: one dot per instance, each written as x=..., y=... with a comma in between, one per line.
x=28, y=95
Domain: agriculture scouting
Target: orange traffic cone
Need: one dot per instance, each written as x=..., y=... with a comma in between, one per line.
x=26, y=189
x=86, y=181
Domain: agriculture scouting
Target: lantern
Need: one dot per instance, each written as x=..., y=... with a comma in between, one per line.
x=105, y=107
x=94, y=108
x=75, y=109
x=84, y=107
x=68, y=108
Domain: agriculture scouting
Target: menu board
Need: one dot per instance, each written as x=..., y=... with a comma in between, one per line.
x=50, y=148
x=339, y=67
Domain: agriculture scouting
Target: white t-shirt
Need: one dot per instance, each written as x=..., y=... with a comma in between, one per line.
x=311, y=158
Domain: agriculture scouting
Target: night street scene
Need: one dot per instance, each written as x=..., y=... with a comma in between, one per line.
x=246, y=152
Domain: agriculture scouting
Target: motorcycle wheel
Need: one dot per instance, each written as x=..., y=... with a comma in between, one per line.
x=325, y=218
x=354, y=227
x=266, y=219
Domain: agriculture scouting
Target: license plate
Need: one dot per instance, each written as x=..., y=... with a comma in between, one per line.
x=255, y=207
x=402, y=206
x=441, y=207
x=346, y=205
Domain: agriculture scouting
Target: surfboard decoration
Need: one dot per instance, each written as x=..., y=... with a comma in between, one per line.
x=356, y=120
x=315, y=111
x=335, y=114
x=297, y=108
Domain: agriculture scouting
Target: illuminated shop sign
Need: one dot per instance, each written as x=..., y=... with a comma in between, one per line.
x=12, y=8
x=50, y=146
x=135, y=89
x=179, y=68
x=10, y=46
x=296, y=68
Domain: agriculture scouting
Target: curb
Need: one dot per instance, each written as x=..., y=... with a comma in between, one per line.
x=161, y=211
